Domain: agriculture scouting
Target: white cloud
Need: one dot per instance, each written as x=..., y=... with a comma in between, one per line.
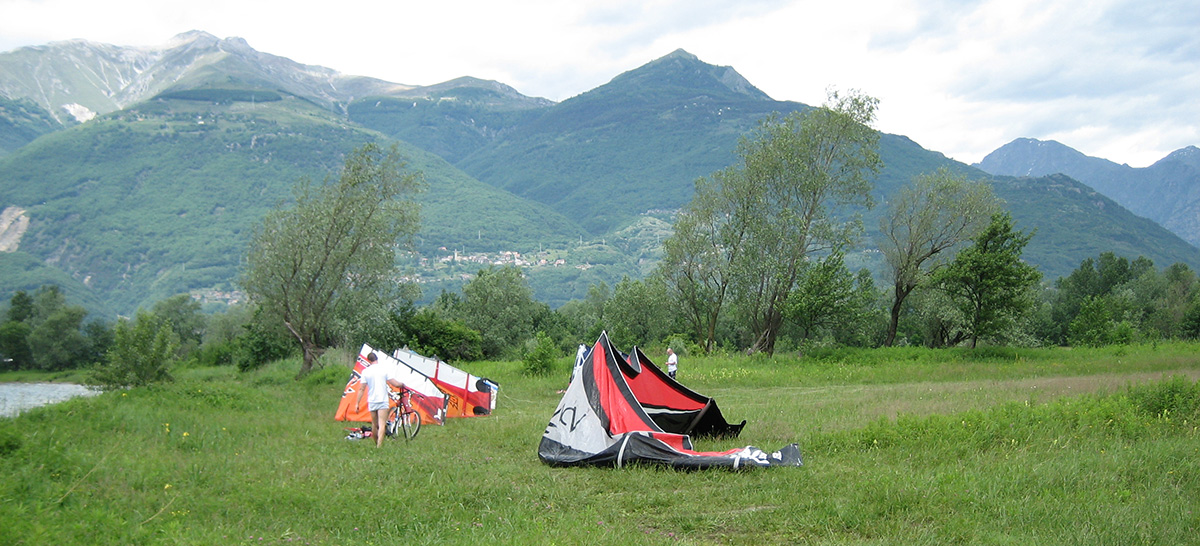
x=1111, y=78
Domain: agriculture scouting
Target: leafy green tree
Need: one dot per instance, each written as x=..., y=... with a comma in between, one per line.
x=100, y=337
x=262, y=340
x=867, y=325
x=142, y=352
x=431, y=335
x=499, y=304
x=183, y=313
x=334, y=251
x=1191, y=321
x=14, y=347
x=1149, y=302
x=1070, y=293
x=934, y=321
x=639, y=312
x=931, y=215
x=1094, y=324
x=57, y=339
x=595, y=304
x=794, y=171
x=751, y=226
x=540, y=355
x=699, y=255
x=988, y=282
x=221, y=330
x=828, y=296
x=20, y=307
x=1182, y=289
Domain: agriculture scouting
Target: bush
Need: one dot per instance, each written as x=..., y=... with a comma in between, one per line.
x=262, y=342
x=1191, y=321
x=431, y=335
x=540, y=355
x=141, y=353
x=215, y=354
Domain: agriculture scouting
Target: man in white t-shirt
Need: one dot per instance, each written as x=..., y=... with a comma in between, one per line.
x=376, y=377
x=672, y=362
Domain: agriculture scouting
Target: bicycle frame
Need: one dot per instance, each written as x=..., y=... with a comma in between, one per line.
x=403, y=416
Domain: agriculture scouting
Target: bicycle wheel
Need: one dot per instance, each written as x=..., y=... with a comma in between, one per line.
x=411, y=423
x=393, y=421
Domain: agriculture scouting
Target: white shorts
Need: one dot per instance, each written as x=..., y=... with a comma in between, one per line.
x=377, y=406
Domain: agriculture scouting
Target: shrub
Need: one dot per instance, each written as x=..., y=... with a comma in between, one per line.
x=431, y=335
x=263, y=341
x=540, y=354
x=141, y=353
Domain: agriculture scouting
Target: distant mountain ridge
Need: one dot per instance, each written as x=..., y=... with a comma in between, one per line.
x=157, y=197
x=76, y=80
x=1167, y=192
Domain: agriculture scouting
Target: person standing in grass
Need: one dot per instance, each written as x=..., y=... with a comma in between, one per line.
x=672, y=362
x=377, y=377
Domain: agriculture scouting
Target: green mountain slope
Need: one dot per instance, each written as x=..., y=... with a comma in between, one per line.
x=21, y=271
x=452, y=119
x=159, y=198
x=635, y=144
x=1074, y=222
x=22, y=121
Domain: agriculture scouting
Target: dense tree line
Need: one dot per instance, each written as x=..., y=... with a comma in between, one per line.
x=1107, y=300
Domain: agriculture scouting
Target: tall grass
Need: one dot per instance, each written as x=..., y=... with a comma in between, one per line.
x=901, y=447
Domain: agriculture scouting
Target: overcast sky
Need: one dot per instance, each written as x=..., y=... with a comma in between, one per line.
x=1118, y=79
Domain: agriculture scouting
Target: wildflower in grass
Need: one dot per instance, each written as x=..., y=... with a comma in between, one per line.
x=185, y=435
x=166, y=487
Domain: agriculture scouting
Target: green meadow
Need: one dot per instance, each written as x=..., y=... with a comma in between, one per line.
x=901, y=446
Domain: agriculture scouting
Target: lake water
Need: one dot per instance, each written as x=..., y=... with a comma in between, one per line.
x=18, y=397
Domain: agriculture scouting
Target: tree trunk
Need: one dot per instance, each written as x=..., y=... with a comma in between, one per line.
x=310, y=356
x=902, y=292
x=309, y=349
x=764, y=343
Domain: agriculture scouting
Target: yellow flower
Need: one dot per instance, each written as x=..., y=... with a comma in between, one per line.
x=166, y=487
x=185, y=435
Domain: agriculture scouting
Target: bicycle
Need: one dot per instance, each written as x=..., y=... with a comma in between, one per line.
x=403, y=416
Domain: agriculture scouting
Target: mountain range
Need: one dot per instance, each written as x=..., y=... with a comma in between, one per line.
x=131, y=174
x=1167, y=192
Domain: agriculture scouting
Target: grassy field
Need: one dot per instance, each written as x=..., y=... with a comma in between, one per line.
x=901, y=446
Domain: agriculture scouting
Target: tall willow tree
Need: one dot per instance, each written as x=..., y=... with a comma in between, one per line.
x=931, y=215
x=334, y=250
x=698, y=257
x=751, y=227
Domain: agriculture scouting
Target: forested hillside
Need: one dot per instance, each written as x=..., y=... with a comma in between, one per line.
x=159, y=199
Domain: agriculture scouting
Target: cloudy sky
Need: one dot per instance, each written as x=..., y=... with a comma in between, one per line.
x=1118, y=79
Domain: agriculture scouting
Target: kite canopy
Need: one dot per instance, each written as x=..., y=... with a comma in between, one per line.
x=601, y=422
x=672, y=406
x=470, y=396
x=426, y=398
